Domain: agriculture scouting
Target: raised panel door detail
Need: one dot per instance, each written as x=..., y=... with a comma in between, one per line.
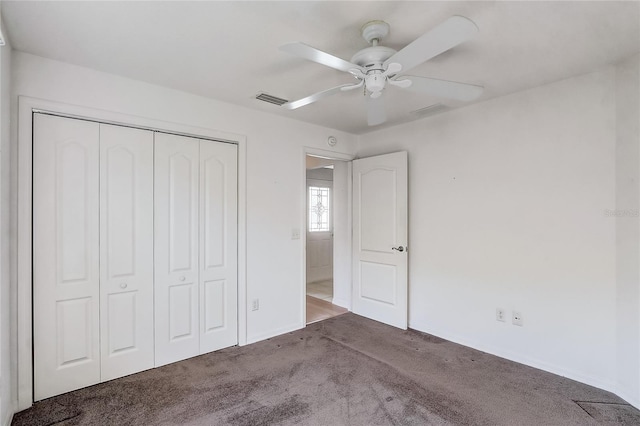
x=218, y=246
x=180, y=213
x=214, y=294
x=74, y=331
x=74, y=251
x=181, y=311
x=214, y=211
x=126, y=250
x=122, y=322
x=377, y=186
x=66, y=272
x=378, y=282
x=176, y=239
x=121, y=212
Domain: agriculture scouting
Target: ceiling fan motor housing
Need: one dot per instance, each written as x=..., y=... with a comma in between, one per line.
x=373, y=57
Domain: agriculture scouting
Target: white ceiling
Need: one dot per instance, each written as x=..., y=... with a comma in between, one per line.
x=229, y=50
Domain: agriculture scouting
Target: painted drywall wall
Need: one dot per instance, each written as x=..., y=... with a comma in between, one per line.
x=274, y=199
x=628, y=227
x=7, y=380
x=506, y=210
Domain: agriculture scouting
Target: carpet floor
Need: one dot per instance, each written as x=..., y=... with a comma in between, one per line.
x=345, y=370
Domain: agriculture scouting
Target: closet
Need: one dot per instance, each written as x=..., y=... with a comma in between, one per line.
x=134, y=250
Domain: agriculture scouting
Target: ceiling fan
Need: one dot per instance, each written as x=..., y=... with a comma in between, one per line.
x=377, y=66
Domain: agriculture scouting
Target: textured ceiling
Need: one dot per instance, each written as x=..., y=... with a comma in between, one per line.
x=229, y=50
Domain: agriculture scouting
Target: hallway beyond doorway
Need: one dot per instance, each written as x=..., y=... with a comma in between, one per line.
x=321, y=290
x=318, y=310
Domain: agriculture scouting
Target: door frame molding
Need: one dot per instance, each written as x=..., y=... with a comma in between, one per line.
x=23, y=222
x=332, y=155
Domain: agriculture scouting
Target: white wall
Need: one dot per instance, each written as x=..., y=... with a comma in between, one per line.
x=7, y=380
x=628, y=227
x=274, y=199
x=507, y=201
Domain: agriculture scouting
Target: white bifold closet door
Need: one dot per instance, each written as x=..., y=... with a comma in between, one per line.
x=195, y=247
x=66, y=254
x=126, y=251
x=93, y=253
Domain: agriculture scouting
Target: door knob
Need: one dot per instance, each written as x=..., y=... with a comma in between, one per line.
x=123, y=285
x=399, y=248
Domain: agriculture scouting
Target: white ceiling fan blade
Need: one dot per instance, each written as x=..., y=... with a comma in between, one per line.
x=376, y=113
x=305, y=51
x=353, y=86
x=443, y=88
x=392, y=69
x=448, y=34
x=315, y=97
x=357, y=73
x=403, y=84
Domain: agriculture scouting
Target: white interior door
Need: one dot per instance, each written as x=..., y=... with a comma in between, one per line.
x=65, y=255
x=380, y=238
x=176, y=247
x=126, y=250
x=218, y=246
x=319, y=230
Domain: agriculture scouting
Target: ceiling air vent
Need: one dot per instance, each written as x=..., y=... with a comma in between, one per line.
x=430, y=110
x=271, y=99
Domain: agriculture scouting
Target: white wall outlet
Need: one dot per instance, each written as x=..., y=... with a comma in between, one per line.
x=516, y=319
x=295, y=234
x=500, y=315
x=255, y=305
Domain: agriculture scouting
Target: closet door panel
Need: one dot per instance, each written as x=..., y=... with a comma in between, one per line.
x=65, y=254
x=176, y=247
x=126, y=250
x=218, y=245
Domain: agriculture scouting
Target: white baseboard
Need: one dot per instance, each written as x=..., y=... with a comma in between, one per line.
x=274, y=333
x=522, y=359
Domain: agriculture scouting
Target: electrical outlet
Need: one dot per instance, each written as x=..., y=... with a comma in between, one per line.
x=295, y=234
x=500, y=314
x=255, y=305
x=516, y=319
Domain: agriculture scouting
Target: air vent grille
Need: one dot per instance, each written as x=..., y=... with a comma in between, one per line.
x=271, y=99
x=430, y=110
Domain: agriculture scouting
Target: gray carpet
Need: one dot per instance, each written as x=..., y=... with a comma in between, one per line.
x=342, y=371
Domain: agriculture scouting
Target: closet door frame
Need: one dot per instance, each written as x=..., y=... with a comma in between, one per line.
x=22, y=223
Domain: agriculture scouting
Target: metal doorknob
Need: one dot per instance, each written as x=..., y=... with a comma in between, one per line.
x=123, y=285
x=399, y=248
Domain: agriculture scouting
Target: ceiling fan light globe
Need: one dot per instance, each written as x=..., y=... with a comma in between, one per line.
x=375, y=81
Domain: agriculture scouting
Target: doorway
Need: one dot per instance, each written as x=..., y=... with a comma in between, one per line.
x=326, y=213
